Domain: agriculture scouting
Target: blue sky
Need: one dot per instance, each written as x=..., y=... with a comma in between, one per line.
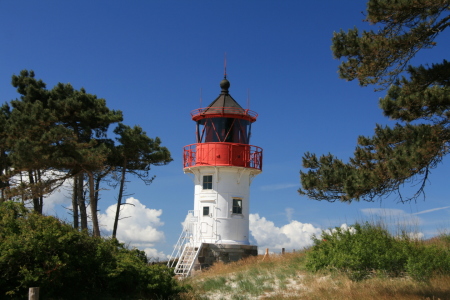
x=153, y=60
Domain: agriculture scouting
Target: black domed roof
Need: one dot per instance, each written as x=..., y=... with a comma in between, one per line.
x=224, y=106
x=225, y=99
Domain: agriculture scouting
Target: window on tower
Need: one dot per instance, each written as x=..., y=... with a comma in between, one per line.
x=237, y=206
x=206, y=210
x=207, y=182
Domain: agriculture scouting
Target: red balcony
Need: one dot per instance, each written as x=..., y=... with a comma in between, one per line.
x=222, y=154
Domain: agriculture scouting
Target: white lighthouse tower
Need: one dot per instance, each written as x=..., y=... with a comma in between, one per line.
x=222, y=164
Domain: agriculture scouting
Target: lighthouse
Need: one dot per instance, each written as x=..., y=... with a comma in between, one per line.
x=222, y=164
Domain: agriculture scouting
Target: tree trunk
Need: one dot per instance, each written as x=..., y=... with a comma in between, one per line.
x=119, y=200
x=75, y=202
x=97, y=187
x=21, y=190
x=4, y=178
x=3, y=186
x=41, y=197
x=36, y=206
x=95, y=227
x=82, y=202
x=4, y=183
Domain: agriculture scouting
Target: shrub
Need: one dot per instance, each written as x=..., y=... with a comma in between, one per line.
x=370, y=249
x=357, y=252
x=425, y=261
x=42, y=251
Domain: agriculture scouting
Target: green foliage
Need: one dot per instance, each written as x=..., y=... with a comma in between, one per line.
x=135, y=154
x=42, y=251
x=393, y=156
x=425, y=261
x=381, y=164
x=137, y=151
x=62, y=129
x=367, y=250
x=51, y=135
x=406, y=26
x=4, y=159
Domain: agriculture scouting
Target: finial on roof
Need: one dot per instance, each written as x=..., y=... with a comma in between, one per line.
x=225, y=85
x=225, y=66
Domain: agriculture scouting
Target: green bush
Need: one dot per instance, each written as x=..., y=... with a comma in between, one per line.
x=42, y=251
x=368, y=250
x=425, y=261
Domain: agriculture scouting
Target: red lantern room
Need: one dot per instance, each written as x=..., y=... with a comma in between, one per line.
x=223, y=135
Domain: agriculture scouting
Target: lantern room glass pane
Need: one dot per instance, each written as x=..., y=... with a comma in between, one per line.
x=228, y=130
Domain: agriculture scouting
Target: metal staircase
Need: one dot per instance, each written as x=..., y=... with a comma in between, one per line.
x=186, y=249
x=187, y=260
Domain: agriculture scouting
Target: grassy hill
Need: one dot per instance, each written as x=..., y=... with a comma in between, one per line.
x=289, y=276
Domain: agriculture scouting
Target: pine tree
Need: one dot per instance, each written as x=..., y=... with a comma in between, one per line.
x=62, y=131
x=418, y=98
x=135, y=155
x=88, y=118
x=30, y=140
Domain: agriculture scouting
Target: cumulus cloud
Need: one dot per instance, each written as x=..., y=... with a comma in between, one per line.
x=138, y=226
x=344, y=227
x=295, y=235
x=416, y=235
x=59, y=197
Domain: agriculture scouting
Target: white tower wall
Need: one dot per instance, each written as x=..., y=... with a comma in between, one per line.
x=219, y=223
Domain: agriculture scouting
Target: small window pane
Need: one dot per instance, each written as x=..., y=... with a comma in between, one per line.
x=206, y=210
x=207, y=182
x=237, y=206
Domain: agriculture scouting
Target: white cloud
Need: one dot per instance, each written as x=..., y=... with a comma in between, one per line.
x=383, y=212
x=416, y=235
x=392, y=217
x=279, y=186
x=295, y=235
x=344, y=227
x=289, y=213
x=138, y=226
x=59, y=197
x=430, y=210
x=154, y=255
x=397, y=221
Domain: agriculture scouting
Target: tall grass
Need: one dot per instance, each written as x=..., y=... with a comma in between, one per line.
x=420, y=270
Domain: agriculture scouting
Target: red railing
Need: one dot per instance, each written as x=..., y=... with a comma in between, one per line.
x=222, y=154
x=223, y=111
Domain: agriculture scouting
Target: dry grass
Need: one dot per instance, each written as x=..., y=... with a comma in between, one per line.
x=284, y=277
x=341, y=288
x=220, y=269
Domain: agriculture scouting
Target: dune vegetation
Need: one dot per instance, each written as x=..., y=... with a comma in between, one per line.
x=365, y=262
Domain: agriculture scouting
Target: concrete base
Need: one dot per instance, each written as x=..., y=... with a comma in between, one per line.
x=211, y=253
